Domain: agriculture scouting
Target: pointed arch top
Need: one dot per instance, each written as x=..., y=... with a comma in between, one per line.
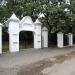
x=13, y=17
x=1, y=24
x=26, y=20
x=44, y=29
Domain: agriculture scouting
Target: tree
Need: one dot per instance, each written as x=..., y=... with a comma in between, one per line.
x=56, y=19
x=73, y=6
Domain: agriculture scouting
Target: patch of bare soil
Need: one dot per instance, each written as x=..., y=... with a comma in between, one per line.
x=36, y=68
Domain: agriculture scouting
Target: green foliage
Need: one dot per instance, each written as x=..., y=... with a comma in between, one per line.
x=73, y=6
x=56, y=19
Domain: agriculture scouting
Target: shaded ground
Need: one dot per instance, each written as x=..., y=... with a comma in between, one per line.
x=36, y=68
x=32, y=62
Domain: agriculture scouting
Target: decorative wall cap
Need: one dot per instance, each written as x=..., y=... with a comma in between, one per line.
x=37, y=22
x=1, y=24
x=41, y=15
x=60, y=33
x=70, y=33
x=44, y=29
x=14, y=17
x=27, y=20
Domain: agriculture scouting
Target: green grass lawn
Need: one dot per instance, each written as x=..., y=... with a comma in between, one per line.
x=5, y=46
x=23, y=45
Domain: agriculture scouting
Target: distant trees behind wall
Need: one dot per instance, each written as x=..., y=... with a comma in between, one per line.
x=56, y=19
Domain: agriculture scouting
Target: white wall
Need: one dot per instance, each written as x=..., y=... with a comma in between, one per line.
x=13, y=33
x=70, y=39
x=0, y=39
x=37, y=34
x=60, y=40
x=26, y=24
x=44, y=37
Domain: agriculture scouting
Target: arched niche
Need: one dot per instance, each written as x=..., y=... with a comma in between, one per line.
x=26, y=40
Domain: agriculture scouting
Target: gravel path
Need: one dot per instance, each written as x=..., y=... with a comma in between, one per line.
x=58, y=65
x=11, y=63
x=67, y=67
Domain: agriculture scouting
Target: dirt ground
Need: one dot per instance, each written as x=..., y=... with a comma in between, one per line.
x=57, y=65
x=37, y=62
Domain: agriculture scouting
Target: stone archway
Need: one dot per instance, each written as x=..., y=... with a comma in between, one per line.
x=26, y=24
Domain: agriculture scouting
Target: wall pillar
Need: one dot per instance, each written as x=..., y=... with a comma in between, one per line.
x=70, y=39
x=60, y=40
x=37, y=34
x=0, y=38
x=13, y=34
x=44, y=37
